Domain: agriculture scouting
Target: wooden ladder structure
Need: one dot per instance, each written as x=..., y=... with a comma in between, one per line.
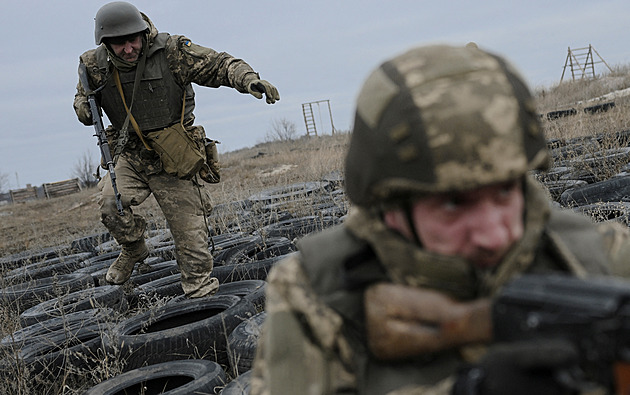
x=582, y=63
x=309, y=119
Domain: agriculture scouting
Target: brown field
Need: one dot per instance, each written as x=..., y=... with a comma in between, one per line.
x=58, y=221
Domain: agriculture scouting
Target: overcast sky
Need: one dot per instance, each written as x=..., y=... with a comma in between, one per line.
x=311, y=50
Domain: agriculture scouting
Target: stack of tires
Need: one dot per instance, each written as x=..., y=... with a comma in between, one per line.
x=591, y=175
x=75, y=330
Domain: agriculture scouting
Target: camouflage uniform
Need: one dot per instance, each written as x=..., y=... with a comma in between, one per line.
x=314, y=338
x=314, y=333
x=139, y=171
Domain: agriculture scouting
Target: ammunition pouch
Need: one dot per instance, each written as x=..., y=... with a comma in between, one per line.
x=180, y=153
x=211, y=170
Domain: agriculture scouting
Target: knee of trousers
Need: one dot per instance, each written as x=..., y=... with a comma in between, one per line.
x=124, y=228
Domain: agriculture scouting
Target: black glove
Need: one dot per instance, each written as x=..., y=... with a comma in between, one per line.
x=527, y=367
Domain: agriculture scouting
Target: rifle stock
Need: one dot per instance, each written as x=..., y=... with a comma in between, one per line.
x=100, y=134
x=403, y=322
x=594, y=314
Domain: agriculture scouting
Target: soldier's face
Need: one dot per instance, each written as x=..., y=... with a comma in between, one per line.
x=480, y=225
x=128, y=47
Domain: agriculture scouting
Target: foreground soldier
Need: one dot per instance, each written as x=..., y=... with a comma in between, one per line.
x=437, y=172
x=143, y=83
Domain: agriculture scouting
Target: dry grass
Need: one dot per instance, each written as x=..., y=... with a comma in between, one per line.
x=56, y=222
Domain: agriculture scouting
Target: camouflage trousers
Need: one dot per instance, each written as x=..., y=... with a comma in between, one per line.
x=182, y=203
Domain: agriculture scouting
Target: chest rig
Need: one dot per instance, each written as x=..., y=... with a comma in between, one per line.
x=158, y=99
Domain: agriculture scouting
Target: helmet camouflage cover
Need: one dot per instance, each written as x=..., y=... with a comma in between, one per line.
x=117, y=19
x=441, y=119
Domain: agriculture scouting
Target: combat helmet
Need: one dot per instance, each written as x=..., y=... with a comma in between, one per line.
x=117, y=19
x=441, y=119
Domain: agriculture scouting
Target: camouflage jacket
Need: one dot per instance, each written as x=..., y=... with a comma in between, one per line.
x=188, y=62
x=313, y=341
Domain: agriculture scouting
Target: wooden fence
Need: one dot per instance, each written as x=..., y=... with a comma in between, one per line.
x=62, y=188
x=46, y=191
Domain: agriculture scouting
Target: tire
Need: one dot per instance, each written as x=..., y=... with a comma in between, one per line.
x=27, y=257
x=61, y=352
x=607, y=212
x=167, y=252
x=557, y=188
x=106, y=296
x=99, y=270
x=255, y=250
x=257, y=270
x=250, y=290
x=553, y=115
x=298, y=227
x=195, y=328
x=192, y=376
x=613, y=190
x=22, y=296
x=58, y=265
x=41, y=331
x=242, y=343
x=291, y=191
x=238, y=386
x=149, y=272
x=162, y=287
x=89, y=243
x=228, y=240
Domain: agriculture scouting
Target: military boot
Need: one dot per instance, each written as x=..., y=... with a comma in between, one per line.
x=132, y=253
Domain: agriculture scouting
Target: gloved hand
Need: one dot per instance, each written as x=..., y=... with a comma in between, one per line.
x=526, y=367
x=257, y=87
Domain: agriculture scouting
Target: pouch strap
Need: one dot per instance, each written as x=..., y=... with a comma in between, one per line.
x=135, y=125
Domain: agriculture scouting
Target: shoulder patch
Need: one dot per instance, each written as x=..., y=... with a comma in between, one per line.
x=187, y=43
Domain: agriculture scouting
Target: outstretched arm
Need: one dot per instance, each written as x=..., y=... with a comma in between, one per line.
x=206, y=67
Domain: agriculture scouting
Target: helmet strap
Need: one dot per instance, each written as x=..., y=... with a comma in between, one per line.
x=407, y=208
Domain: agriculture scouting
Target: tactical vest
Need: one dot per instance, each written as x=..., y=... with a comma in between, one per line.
x=158, y=100
x=337, y=272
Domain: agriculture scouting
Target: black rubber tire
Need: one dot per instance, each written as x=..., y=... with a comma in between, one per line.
x=556, y=188
x=613, y=190
x=255, y=250
x=195, y=328
x=162, y=287
x=26, y=257
x=59, y=265
x=242, y=343
x=106, y=296
x=298, y=227
x=137, y=278
x=238, y=386
x=60, y=354
x=257, y=270
x=291, y=191
x=89, y=243
x=69, y=323
x=227, y=240
x=251, y=290
x=185, y=377
x=25, y=295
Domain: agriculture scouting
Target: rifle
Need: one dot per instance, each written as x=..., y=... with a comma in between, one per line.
x=593, y=314
x=100, y=133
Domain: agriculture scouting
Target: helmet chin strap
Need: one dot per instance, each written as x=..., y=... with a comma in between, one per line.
x=408, y=210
